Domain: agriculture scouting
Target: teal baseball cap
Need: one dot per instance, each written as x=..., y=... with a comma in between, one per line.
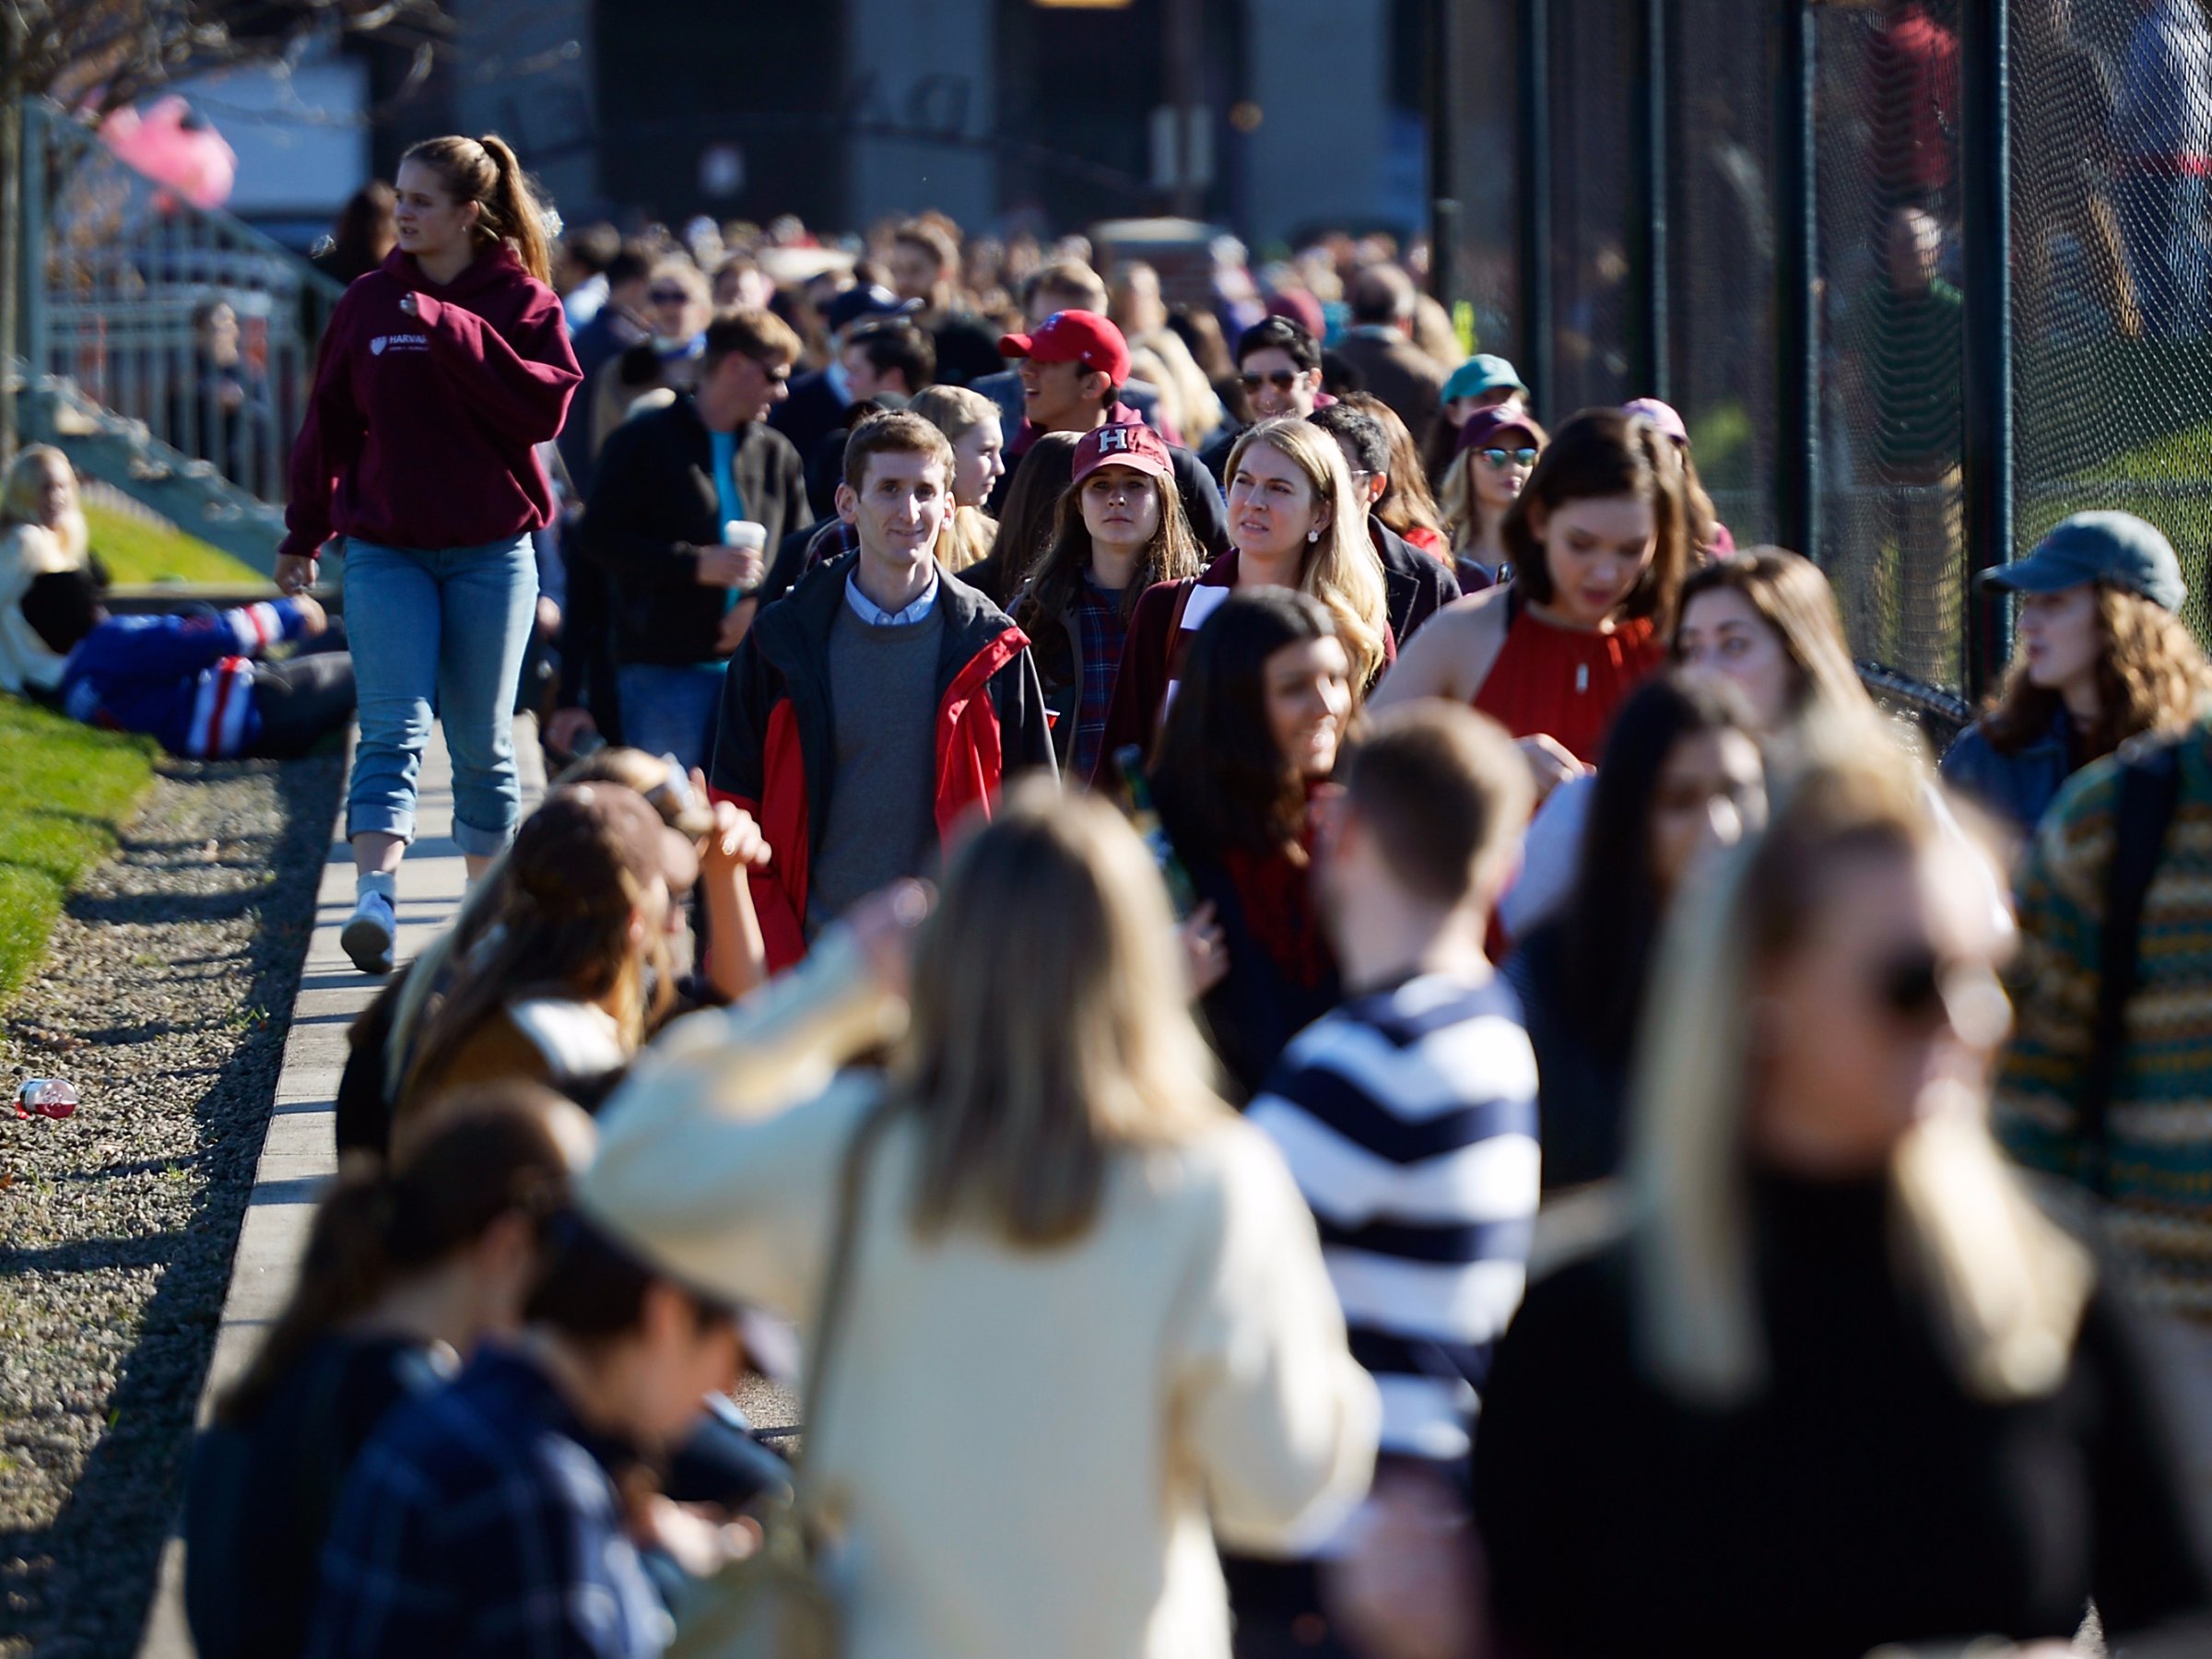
x=2117, y=547
x=1480, y=374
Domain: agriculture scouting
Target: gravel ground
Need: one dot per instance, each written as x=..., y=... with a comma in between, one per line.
x=164, y=998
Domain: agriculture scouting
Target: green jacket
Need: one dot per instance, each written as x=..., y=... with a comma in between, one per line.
x=2159, y=1125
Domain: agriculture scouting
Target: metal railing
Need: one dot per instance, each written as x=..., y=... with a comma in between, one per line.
x=119, y=277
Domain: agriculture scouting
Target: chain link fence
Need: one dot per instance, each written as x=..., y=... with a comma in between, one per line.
x=1822, y=257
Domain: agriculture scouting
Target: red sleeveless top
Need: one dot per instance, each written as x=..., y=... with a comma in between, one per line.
x=1564, y=682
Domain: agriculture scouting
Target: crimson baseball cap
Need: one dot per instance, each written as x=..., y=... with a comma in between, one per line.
x=1483, y=429
x=1074, y=336
x=1122, y=445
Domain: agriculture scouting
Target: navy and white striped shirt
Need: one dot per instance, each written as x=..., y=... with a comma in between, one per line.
x=1409, y=1116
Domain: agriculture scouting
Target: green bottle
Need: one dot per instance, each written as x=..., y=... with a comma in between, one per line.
x=1144, y=816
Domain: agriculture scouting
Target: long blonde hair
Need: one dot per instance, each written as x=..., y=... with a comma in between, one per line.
x=1339, y=568
x=509, y=208
x=969, y=533
x=1048, y=1026
x=21, y=502
x=2006, y=1288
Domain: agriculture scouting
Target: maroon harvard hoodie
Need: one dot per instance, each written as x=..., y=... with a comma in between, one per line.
x=420, y=431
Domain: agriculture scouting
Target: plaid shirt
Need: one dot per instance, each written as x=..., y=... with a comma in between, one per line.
x=1101, y=632
x=479, y=1519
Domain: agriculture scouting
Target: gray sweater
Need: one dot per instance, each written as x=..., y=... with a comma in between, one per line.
x=882, y=822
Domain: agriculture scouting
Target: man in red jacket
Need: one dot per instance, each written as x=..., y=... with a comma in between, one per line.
x=868, y=710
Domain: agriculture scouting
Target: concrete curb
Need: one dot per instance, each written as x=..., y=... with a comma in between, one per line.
x=298, y=1154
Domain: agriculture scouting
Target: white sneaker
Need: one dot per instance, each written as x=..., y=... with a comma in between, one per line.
x=368, y=932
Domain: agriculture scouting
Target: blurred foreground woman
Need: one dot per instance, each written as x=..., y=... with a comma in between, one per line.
x=1083, y=1311
x=1836, y=1382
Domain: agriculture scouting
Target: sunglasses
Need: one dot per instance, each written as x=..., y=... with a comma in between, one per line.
x=668, y=296
x=1910, y=986
x=1282, y=380
x=1503, y=458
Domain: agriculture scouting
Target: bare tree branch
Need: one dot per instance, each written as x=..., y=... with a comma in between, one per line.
x=97, y=55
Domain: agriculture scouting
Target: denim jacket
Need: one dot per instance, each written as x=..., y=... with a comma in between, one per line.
x=2018, y=787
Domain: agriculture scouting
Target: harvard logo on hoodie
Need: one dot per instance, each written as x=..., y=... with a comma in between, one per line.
x=440, y=452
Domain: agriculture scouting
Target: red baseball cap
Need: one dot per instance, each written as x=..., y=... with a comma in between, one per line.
x=1074, y=336
x=1135, y=446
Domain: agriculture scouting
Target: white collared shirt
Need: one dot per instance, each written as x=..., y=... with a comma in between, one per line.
x=875, y=616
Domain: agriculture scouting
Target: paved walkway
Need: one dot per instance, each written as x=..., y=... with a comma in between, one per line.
x=299, y=1154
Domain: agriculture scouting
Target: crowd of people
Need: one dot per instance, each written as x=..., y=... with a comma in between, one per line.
x=1340, y=1027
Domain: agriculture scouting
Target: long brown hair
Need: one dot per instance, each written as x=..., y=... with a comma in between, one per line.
x=1049, y=1027
x=1032, y=508
x=1599, y=454
x=547, y=939
x=1218, y=773
x=1795, y=599
x=484, y=171
x=1408, y=505
x=1171, y=555
x=490, y=1153
x=2151, y=677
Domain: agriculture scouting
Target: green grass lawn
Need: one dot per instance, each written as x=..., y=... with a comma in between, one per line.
x=137, y=552
x=66, y=792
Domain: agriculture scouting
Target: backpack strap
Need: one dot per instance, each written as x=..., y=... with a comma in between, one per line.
x=837, y=1278
x=2149, y=788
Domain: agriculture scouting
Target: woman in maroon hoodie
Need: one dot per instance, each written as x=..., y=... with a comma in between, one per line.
x=439, y=372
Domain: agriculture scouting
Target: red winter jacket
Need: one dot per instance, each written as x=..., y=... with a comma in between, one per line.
x=775, y=753
x=422, y=430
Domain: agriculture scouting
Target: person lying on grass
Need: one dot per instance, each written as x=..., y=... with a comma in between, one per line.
x=193, y=681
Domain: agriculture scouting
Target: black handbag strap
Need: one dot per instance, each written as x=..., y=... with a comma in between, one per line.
x=2150, y=785
x=837, y=1278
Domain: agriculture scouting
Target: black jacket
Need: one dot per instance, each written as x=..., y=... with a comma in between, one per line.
x=260, y=1495
x=1581, y=1085
x=775, y=751
x=1863, y=1495
x=599, y=343
x=1416, y=587
x=811, y=413
x=653, y=506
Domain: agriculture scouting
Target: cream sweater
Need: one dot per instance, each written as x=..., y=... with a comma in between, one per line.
x=28, y=552
x=1030, y=1452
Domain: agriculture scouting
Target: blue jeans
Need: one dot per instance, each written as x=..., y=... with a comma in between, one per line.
x=2162, y=219
x=670, y=709
x=439, y=632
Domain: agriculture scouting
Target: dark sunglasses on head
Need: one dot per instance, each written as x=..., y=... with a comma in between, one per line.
x=1503, y=458
x=1282, y=380
x=669, y=295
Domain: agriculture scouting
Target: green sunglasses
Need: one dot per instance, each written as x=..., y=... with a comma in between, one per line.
x=1502, y=458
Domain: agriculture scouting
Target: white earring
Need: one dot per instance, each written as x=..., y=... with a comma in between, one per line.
x=1312, y=535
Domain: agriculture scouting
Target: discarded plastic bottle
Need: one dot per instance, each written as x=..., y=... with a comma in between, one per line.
x=46, y=1096
x=1144, y=817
